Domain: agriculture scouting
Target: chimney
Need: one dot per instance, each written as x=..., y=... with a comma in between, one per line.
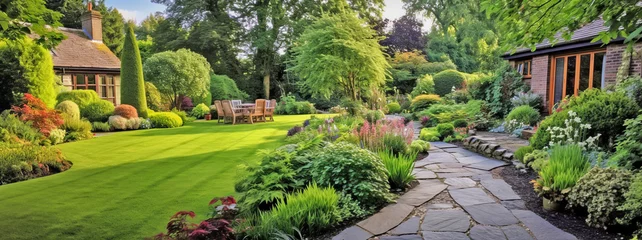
x=92, y=24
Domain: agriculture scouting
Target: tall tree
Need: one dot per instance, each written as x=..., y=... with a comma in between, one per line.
x=405, y=35
x=132, y=84
x=19, y=18
x=444, y=12
x=148, y=26
x=113, y=27
x=71, y=11
x=339, y=53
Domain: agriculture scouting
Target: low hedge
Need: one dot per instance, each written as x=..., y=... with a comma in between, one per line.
x=98, y=111
x=80, y=97
x=165, y=120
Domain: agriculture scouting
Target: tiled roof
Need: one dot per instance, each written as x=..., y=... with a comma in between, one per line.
x=585, y=33
x=79, y=51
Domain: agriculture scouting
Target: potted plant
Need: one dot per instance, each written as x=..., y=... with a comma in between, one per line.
x=208, y=116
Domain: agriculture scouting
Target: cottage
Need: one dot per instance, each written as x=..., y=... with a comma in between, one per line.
x=83, y=61
x=569, y=67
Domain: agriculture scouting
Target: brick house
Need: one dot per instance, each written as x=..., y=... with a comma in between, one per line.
x=83, y=61
x=569, y=67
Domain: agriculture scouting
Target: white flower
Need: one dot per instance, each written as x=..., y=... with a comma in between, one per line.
x=578, y=120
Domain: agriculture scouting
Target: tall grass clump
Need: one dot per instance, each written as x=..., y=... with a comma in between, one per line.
x=566, y=166
x=399, y=168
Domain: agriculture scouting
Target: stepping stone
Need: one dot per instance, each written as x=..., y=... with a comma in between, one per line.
x=479, y=232
x=516, y=232
x=491, y=214
x=514, y=205
x=470, y=196
x=450, y=165
x=452, y=170
x=540, y=228
x=353, y=232
x=386, y=219
x=425, y=174
x=410, y=226
x=442, y=145
x=416, y=170
x=423, y=162
x=444, y=236
x=455, y=175
x=460, y=151
x=500, y=189
x=460, y=183
x=440, y=206
x=454, y=220
x=404, y=237
x=426, y=190
x=440, y=157
x=432, y=167
x=480, y=177
x=472, y=159
x=487, y=165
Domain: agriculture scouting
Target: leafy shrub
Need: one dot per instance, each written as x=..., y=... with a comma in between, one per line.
x=294, y=130
x=425, y=85
x=133, y=123
x=224, y=88
x=566, y=165
x=153, y=97
x=165, y=120
x=312, y=211
x=13, y=127
x=145, y=123
x=126, y=111
x=354, y=171
x=445, y=129
x=524, y=114
x=527, y=99
x=30, y=161
x=289, y=105
x=629, y=145
x=69, y=108
x=57, y=136
x=200, y=111
x=35, y=111
x=632, y=87
x=182, y=115
x=522, y=151
x=424, y=101
x=537, y=159
x=632, y=207
x=374, y=115
x=98, y=111
x=77, y=129
x=373, y=136
x=100, y=127
x=428, y=121
x=447, y=80
x=429, y=135
x=394, y=107
x=601, y=191
x=80, y=97
x=395, y=143
x=460, y=123
x=399, y=168
x=419, y=146
x=353, y=108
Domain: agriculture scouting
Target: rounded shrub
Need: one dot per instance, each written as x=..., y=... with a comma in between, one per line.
x=446, y=129
x=374, y=115
x=200, y=110
x=118, y=122
x=354, y=171
x=165, y=120
x=446, y=80
x=460, y=123
x=394, y=107
x=100, y=127
x=69, y=109
x=425, y=85
x=419, y=146
x=154, y=100
x=77, y=129
x=98, y=111
x=524, y=114
x=424, y=101
x=126, y=111
x=80, y=97
x=429, y=135
x=522, y=151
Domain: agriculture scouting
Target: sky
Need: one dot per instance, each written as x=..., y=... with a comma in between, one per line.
x=137, y=10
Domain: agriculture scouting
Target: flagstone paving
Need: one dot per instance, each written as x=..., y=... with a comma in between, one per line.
x=457, y=199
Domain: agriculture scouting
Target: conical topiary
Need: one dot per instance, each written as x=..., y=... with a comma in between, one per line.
x=132, y=85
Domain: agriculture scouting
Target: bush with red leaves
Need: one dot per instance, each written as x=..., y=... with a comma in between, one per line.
x=126, y=111
x=218, y=227
x=35, y=111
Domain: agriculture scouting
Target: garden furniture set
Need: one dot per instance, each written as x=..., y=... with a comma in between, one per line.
x=233, y=111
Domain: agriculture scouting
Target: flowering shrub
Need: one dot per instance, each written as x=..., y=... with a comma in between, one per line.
x=217, y=227
x=574, y=132
x=30, y=161
x=524, y=114
x=428, y=121
x=126, y=111
x=294, y=130
x=371, y=136
x=57, y=136
x=133, y=123
x=35, y=111
x=118, y=122
x=329, y=128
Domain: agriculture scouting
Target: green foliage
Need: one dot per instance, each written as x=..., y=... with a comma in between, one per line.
x=425, y=85
x=80, y=97
x=419, y=146
x=447, y=80
x=337, y=53
x=537, y=159
x=12, y=126
x=100, y=127
x=153, y=97
x=224, y=88
x=504, y=84
x=354, y=171
x=20, y=18
x=288, y=105
x=632, y=207
x=531, y=99
x=114, y=30
x=429, y=135
x=522, y=151
x=629, y=145
x=601, y=191
x=424, y=101
x=399, y=166
x=165, y=120
x=524, y=114
x=395, y=143
x=566, y=165
x=460, y=123
x=394, y=107
x=200, y=110
x=132, y=89
x=98, y=111
x=77, y=129
x=446, y=129
x=183, y=115
x=374, y=115
x=69, y=109
x=22, y=162
x=632, y=87
x=57, y=136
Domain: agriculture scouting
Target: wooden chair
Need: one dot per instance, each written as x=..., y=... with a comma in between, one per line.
x=236, y=103
x=269, y=109
x=259, y=111
x=219, y=111
x=232, y=113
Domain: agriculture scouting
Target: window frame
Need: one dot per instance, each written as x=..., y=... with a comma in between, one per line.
x=527, y=62
x=98, y=84
x=576, y=86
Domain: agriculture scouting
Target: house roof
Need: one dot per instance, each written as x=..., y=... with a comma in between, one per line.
x=78, y=51
x=582, y=35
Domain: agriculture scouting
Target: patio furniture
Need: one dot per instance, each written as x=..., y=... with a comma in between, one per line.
x=269, y=109
x=234, y=113
x=219, y=111
x=259, y=111
x=236, y=103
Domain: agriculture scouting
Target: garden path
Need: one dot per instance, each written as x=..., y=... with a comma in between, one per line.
x=458, y=198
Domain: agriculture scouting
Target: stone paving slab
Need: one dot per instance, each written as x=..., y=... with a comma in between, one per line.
x=479, y=232
x=516, y=232
x=460, y=183
x=451, y=170
x=443, y=145
x=386, y=219
x=488, y=165
x=514, y=205
x=491, y=214
x=470, y=196
x=456, y=175
x=353, y=233
x=426, y=190
x=441, y=157
x=444, y=236
x=461, y=151
x=473, y=159
x=480, y=177
x=410, y=226
x=500, y=189
x=440, y=206
x=454, y=220
x=425, y=174
x=542, y=229
x=404, y=237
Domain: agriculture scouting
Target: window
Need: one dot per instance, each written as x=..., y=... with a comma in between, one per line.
x=84, y=81
x=108, y=88
x=524, y=67
x=103, y=84
x=574, y=73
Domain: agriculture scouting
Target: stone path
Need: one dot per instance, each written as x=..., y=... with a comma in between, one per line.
x=457, y=198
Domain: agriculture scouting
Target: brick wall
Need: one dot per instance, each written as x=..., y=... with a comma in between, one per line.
x=539, y=77
x=614, y=60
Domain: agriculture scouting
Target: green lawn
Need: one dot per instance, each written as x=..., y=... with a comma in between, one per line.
x=127, y=185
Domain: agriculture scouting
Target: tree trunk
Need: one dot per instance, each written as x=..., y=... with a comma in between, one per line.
x=266, y=85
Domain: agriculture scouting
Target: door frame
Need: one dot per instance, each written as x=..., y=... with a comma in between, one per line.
x=577, y=55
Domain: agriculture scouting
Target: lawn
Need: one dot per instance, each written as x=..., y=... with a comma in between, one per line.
x=127, y=185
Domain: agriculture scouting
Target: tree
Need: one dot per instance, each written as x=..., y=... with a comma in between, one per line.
x=132, y=85
x=444, y=12
x=19, y=18
x=71, y=11
x=527, y=23
x=148, y=26
x=178, y=74
x=338, y=53
x=405, y=36
x=113, y=25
